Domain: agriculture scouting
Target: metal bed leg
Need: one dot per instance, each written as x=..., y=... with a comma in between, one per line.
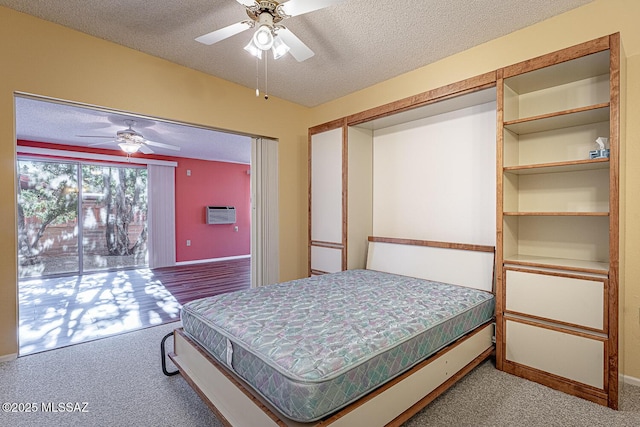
x=163, y=355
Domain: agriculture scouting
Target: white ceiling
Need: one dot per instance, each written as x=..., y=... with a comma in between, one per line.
x=357, y=43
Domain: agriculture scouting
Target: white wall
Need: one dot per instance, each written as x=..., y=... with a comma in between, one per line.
x=435, y=178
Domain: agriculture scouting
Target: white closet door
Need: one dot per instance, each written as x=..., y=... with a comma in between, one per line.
x=326, y=186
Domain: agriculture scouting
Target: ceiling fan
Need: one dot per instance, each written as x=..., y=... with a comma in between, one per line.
x=131, y=141
x=267, y=15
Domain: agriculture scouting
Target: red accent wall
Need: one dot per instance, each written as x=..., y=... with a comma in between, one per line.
x=210, y=184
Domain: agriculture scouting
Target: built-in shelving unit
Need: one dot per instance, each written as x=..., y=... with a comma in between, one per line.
x=558, y=220
x=557, y=208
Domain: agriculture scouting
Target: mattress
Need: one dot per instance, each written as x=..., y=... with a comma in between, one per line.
x=312, y=346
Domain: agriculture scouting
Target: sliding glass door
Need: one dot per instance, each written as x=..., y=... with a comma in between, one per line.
x=114, y=217
x=47, y=218
x=66, y=228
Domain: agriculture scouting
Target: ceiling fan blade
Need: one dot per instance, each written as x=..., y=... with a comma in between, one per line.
x=145, y=150
x=246, y=3
x=93, y=136
x=299, y=7
x=101, y=143
x=223, y=33
x=162, y=145
x=298, y=50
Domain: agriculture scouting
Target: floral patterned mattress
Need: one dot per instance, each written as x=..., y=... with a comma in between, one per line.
x=314, y=345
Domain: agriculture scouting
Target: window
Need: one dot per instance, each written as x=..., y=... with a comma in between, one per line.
x=66, y=228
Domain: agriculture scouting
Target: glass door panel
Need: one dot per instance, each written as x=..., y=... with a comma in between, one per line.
x=114, y=217
x=47, y=218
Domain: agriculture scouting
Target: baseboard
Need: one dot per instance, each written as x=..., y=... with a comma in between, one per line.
x=202, y=261
x=630, y=380
x=8, y=357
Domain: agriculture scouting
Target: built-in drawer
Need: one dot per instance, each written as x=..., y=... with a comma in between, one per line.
x=574, y=356
x=326, y=259
x=569, y=299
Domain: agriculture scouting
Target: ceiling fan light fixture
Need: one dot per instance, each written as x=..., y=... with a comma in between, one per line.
x=279, y=48
x=253, y=49
x=129, y=147
x=263, y=37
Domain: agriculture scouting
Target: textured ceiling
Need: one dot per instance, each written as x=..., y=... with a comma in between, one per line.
x=357, y=43
x=43, y=121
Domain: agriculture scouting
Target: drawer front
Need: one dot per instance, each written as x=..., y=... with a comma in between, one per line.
x=574, y=357
x=326, y=259
x=570, y=300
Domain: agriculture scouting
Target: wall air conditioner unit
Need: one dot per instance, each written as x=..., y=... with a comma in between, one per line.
x=220, y=214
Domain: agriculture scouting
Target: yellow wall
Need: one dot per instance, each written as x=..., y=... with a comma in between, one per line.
x=49, y=60
x=46, y=59
x=602, y=17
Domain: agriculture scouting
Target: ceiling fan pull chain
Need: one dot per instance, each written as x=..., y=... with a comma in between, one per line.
x=257, y=77
x=266, y=78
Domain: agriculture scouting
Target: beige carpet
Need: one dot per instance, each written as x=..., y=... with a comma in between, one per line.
x=120, y=380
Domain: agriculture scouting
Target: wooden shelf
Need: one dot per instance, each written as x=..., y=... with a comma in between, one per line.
x=555, y=167
x=559, y=120
x=595, y=267
x=556, y=213
x=558, y=220
x=556, y=75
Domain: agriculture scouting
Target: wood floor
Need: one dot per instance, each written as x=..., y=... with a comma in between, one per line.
x=194, y=281
x=62, y=311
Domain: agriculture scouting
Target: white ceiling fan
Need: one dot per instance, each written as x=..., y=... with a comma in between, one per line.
x=267, y=15
x=131, y=141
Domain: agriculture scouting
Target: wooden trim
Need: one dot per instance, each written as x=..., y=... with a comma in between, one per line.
x=433, y=244
x=555, y=328
x=331, y=245
x=557, y=274
x=562, y=384
x=614, y=219
x=500, y=294
x=555, y=114
x=555, y=164
x=345, y=192
x=555, y=213
x=318, y=272
x=554, y=267
x=325, y=127
x=309, y=189
x=470, y=85
x=557, y=57
x=559, y=322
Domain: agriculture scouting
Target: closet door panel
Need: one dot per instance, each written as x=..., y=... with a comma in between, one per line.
x=326, y=186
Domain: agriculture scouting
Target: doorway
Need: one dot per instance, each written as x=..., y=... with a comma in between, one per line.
x=104, y=300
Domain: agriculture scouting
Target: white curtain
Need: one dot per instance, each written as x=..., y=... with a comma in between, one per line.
x=161, y=221
x=265, y=256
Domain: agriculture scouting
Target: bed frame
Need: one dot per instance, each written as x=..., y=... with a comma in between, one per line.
x=236, y=404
